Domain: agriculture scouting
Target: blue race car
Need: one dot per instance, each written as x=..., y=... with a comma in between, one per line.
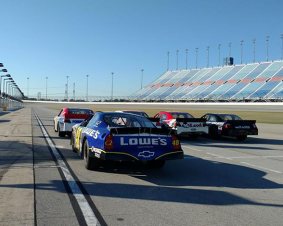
x=122, y=136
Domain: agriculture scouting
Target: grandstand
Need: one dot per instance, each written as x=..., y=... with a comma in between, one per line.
x=246, y=82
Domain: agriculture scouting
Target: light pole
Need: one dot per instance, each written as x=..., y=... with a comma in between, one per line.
x=2, y=76
x=9, y=83
x=254, y=43
x=112, y=74
x=219, y=49
x=74, y=91
x=7, y=91
x=196, y=57
x=10, y=88
x=46, y=88
x=241, y=43
x=65, y=92
x=230, y=48
x=67, y=87
x=2, y=70
x=281, y=46
x=142, y=70
x=9, y=80
x=14, y=85
x=27, y=86
x=186, y=58
x=16, y=92
x=168, y=58
x=87, y=87
x=267, y=47
x=5, y=84
x=177, y=59
x=207, y=59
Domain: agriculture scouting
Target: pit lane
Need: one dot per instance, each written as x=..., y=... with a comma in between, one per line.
x=220, y=182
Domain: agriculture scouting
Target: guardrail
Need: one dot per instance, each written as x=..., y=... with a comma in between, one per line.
x=9, y=103
x=10, y=94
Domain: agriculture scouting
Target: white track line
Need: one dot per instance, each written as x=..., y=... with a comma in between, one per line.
x=189, y=147
x=259, y=167
x=87, y=212
x=247, y=157
x=60, y=146
x=257, y=157
x=217, y=156
x=208, y=153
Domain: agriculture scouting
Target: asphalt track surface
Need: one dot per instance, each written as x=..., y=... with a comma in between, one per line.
x=220, y=182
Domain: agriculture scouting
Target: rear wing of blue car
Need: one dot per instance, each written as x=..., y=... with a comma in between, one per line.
x=142, y=130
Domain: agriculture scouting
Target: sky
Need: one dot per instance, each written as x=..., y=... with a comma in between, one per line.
x=75, y=38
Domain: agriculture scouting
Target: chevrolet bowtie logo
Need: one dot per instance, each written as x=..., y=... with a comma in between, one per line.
x=146, y=154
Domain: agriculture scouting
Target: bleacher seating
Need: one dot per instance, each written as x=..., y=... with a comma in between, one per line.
x=257, y=81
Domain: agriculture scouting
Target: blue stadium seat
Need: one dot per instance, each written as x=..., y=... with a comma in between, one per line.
x=251, y=81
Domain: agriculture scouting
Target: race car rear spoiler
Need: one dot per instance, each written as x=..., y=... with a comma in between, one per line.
x=241, y=122
x=190, y=120
x=154, y=119
x=140, y=130
x=180, y=119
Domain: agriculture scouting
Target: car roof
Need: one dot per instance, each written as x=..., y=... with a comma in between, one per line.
x=131, y=111
x=174, y=112
x=68, y=108
x=117, y=113
x=219, y=114
x=80, y=109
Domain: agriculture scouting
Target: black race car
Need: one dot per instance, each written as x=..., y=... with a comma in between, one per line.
x=230, y=125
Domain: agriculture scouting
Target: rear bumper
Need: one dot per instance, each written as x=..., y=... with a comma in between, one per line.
x=192, y=131
x=119, y=156
x=171, y=156
x=187, y=134
x=236, y=133
x=66, y=127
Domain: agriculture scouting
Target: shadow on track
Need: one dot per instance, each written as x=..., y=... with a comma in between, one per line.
x=4, y=120
x=153, y=193
x=193, y=171
x=256, y=140
x=192, y=180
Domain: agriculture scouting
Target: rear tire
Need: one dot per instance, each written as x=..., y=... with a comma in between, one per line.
x=61, y=134
x=213, y=132
x=194, y=136
x=90, y=163
x=73, y=144
x=55, y=129
x=156, y=164
x=242, y=137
